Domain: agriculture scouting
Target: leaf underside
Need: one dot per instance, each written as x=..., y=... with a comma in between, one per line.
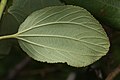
x=63, y=34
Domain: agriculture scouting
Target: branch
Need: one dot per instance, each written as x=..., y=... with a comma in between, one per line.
x=113, y=74
x=2, y=6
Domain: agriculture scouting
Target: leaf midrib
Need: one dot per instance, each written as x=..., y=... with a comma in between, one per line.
x=60, y=22
x=66, y=37
x=55, y=48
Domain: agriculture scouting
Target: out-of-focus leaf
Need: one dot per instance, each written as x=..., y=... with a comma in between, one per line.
x=8, y=26
x=108, y=11
x=22, y=8
x=63, y=34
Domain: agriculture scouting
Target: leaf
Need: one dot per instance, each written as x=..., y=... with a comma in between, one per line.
x=107, y=11
x=63, y=34
x=22, y=8
x=8, y=25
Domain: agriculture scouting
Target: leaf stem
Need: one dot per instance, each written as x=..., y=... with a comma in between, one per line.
x=8, y=36
x=2, y=6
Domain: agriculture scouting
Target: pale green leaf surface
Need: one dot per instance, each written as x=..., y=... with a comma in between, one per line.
x=63, y=34
x=22, y=8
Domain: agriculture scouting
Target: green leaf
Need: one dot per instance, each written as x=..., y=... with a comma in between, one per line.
x=22, y=8
x=63, y=34
x=107, y=11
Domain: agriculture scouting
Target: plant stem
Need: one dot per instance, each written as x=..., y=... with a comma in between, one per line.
x=113, y=74
x=2, y=6
x=8, y=36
